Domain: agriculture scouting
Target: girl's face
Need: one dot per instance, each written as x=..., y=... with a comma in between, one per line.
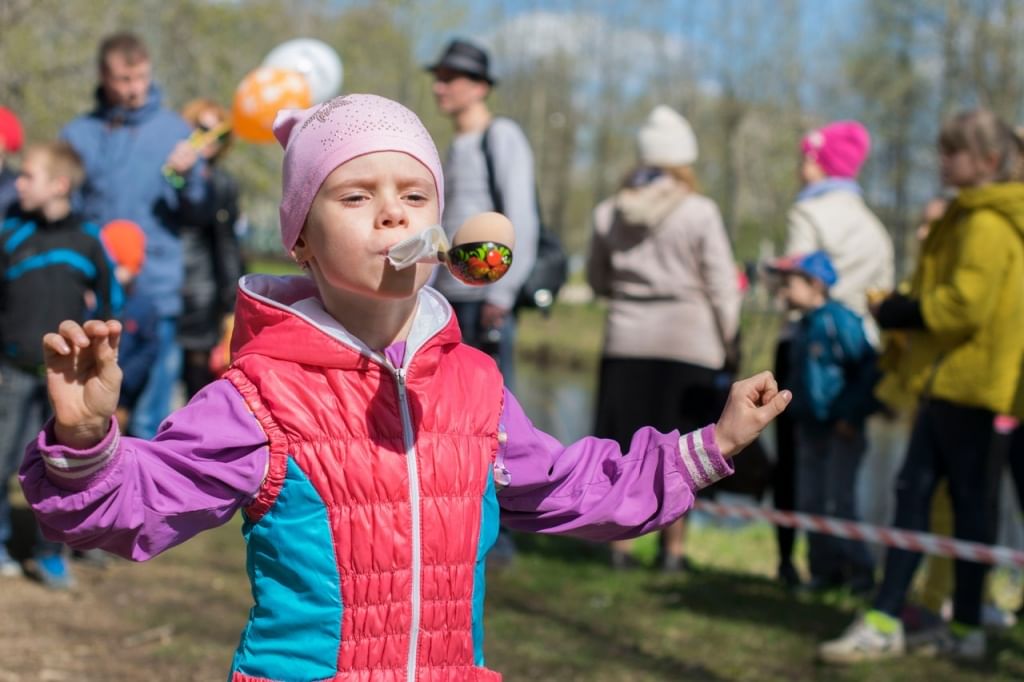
x=363, y=208
x=809, y=171
x=961, y=168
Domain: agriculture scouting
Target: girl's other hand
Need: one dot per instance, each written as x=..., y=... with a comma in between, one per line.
x=83, y=379
x=753, y=403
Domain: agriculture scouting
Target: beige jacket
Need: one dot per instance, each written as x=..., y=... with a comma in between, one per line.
x=840, y=224
x=662, y=258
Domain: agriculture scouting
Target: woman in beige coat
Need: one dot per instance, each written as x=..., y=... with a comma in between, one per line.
x=660, y=255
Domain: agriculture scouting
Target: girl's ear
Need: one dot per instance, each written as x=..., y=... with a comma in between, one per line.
x=300, y=252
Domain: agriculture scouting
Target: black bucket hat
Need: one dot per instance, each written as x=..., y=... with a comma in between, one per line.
x=466, y=58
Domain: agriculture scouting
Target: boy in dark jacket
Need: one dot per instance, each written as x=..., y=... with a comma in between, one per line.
x=832, y=376
x=50, y=261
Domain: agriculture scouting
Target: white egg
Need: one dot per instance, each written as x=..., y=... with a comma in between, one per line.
x=486, y=227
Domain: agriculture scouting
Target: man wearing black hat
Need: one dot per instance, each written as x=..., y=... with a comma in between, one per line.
x=488, y=167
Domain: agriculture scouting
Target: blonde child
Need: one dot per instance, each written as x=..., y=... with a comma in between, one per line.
x=49, y=260
x=963, y=358
x=368, y=448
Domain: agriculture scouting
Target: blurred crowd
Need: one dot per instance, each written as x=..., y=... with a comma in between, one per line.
x=131, y=214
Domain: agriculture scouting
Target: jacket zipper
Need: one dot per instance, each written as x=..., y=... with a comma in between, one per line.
x=414, y=508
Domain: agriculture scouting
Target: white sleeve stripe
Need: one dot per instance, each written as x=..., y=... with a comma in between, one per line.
x=61, y=464
x=698, y=461
x=689, y=460
x=702, y=456
x=77, y=473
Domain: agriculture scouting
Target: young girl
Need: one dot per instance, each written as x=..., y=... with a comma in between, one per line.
x=369, y=450
x=963, y=359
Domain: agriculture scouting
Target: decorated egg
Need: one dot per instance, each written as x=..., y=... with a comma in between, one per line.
x=481, y=250
x=486, y=227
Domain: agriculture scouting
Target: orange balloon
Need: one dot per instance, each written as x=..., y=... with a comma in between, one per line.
x=260, y=95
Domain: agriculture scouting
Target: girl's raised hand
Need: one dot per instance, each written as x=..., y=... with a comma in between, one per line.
x=753, y=403
x=83, y=379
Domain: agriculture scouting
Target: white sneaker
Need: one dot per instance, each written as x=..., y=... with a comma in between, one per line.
x=972, y=646
x=969, y=647
x=996, y=618
x=863, y=642
x=10, y=568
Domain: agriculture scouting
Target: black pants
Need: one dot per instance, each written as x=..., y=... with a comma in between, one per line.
x=951, y=442
x=1016, y=458
x=784, y=474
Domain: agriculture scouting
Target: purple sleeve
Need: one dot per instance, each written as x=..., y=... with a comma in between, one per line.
x=591, y=489
x=137, y=498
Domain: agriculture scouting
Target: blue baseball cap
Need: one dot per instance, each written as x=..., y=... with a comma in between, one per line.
x=816, y=264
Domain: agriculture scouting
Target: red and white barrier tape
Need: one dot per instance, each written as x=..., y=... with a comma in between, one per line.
x=926, y=543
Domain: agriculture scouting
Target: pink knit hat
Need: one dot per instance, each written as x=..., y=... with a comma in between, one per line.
x=840, y=148
x=319, y=139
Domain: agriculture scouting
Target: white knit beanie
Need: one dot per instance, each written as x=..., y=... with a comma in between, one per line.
x=666, y=139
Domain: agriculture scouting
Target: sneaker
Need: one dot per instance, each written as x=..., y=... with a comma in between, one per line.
x=9, y=568
x=970, y=645
x=52, y=570
x=995, y=618
x=865, y=640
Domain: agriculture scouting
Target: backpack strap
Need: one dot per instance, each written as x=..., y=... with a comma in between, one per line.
x=492, y=181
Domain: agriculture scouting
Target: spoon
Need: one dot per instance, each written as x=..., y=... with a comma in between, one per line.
x=480, y=252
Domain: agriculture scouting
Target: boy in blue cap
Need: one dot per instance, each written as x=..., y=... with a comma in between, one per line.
x=833, y=372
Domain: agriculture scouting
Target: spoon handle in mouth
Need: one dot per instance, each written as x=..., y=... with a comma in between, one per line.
x=419, y=248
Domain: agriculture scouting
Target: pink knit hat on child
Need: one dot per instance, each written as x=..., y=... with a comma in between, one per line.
x=319, y=139
x=840, y=148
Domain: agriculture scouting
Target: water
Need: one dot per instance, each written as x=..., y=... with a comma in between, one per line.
x=558, y=402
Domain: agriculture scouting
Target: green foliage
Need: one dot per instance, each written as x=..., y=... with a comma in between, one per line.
x=746, y=73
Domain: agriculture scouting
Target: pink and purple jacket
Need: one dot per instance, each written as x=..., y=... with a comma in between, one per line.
x=371, y=485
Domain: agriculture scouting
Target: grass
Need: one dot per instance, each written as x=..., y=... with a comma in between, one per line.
x=559, y=613
x=726, y=621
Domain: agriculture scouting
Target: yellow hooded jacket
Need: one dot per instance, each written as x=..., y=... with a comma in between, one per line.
x=970, y=282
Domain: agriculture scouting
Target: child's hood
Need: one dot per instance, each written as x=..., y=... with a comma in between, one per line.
x=1005, y=198
x=277, y=317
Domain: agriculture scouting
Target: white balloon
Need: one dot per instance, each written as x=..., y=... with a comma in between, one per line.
x=315, y=60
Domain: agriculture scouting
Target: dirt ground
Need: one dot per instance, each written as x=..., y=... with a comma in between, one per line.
x=179, y=614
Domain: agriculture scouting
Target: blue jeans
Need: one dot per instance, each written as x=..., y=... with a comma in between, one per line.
x=23, y=410
x=468, y=315
x=951, y=442
x=154, y=402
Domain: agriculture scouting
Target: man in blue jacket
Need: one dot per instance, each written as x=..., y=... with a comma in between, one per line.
x=127, y=143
